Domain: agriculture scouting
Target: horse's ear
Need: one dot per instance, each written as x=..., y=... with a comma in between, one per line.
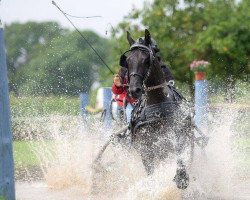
x=130, y=39
x=147, y=37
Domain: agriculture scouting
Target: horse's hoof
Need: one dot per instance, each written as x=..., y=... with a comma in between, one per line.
x=181, y=178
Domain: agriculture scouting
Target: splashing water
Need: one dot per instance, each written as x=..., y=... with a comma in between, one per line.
x=215, y=168
x=66, y=161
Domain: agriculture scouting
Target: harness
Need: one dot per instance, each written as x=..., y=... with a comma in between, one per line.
x=164, y=111
x=142, y=114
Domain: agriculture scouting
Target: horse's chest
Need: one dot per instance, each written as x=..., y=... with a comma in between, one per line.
x=156, y=137
x=161, y=111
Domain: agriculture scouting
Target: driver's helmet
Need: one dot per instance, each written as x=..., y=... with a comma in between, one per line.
x=153, y=42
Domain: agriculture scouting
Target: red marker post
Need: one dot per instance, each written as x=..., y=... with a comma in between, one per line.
x=201, y=93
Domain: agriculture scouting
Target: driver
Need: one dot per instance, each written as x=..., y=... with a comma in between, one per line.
x=120, y=89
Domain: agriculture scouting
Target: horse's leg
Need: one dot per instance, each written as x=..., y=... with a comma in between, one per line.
x=147, y=157
x=181, y=178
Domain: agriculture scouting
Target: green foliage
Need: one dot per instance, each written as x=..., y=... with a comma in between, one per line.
x=226, y=40
x=217, y=31
x=50, y=60
x=44, y=59
x=22, y=41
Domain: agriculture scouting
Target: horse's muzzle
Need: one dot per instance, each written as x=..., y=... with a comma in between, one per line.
x=135, y=92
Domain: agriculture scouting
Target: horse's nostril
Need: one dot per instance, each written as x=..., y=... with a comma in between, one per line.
x=137, y=90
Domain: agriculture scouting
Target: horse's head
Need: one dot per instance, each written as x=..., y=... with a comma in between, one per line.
x=138, y=62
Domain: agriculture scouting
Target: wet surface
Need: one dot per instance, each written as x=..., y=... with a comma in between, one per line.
x=40, y=191
x=31, y=173
x=217, y=173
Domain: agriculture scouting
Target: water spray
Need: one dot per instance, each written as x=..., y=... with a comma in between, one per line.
x=106, y=32
x=85, y=39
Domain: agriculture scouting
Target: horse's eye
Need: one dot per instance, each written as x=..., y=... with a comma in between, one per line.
x=147, y=62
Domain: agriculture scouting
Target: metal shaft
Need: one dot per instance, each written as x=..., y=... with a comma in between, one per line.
x=99, y=155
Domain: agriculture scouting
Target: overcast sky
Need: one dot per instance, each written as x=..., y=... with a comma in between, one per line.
x=112, y=11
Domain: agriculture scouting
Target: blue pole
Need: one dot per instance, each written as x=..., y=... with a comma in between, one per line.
x=107, y=96
x=84, y=101
x=201, y=101
x=7, y=185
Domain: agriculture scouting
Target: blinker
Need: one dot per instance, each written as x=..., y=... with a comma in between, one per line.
x=123, y=61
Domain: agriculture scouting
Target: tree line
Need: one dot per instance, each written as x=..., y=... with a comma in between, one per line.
x=44, y=58
x=214, y=30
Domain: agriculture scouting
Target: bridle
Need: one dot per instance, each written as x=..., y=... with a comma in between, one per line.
x=151, y=59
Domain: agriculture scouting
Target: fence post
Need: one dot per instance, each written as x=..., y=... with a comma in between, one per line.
x=7, y=185
x=107, y=96
x=84, y=101
x=201, y=100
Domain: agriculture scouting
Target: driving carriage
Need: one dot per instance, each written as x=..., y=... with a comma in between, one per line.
x=162, y=120
x=117, y=113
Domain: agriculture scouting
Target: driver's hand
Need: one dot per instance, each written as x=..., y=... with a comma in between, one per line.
x=117, y=80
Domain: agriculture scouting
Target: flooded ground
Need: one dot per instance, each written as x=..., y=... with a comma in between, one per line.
x=40, y=191
x=218, y=172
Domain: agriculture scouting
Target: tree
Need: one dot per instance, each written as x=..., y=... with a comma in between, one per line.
x=216, y=30
x=22, y=40
x=174, y=30
x=61, y=64
x=226, y=42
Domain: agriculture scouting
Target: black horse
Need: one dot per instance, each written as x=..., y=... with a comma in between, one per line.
x=161, y=121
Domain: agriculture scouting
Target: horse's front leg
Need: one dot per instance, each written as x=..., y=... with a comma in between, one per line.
x=181, y=178
x=147, y=157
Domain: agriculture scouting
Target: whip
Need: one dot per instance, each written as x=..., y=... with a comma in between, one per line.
x=54, y=3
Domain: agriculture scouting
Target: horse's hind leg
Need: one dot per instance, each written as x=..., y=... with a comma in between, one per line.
x=148, y=161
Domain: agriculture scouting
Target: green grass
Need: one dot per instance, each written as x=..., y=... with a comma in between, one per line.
x=244, y=145
x=243, y=142
x=23, y=152
x=41, y=106
x=23, y=155
x=242, y=93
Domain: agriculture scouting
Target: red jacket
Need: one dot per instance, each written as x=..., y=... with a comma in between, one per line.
x=121, y=93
